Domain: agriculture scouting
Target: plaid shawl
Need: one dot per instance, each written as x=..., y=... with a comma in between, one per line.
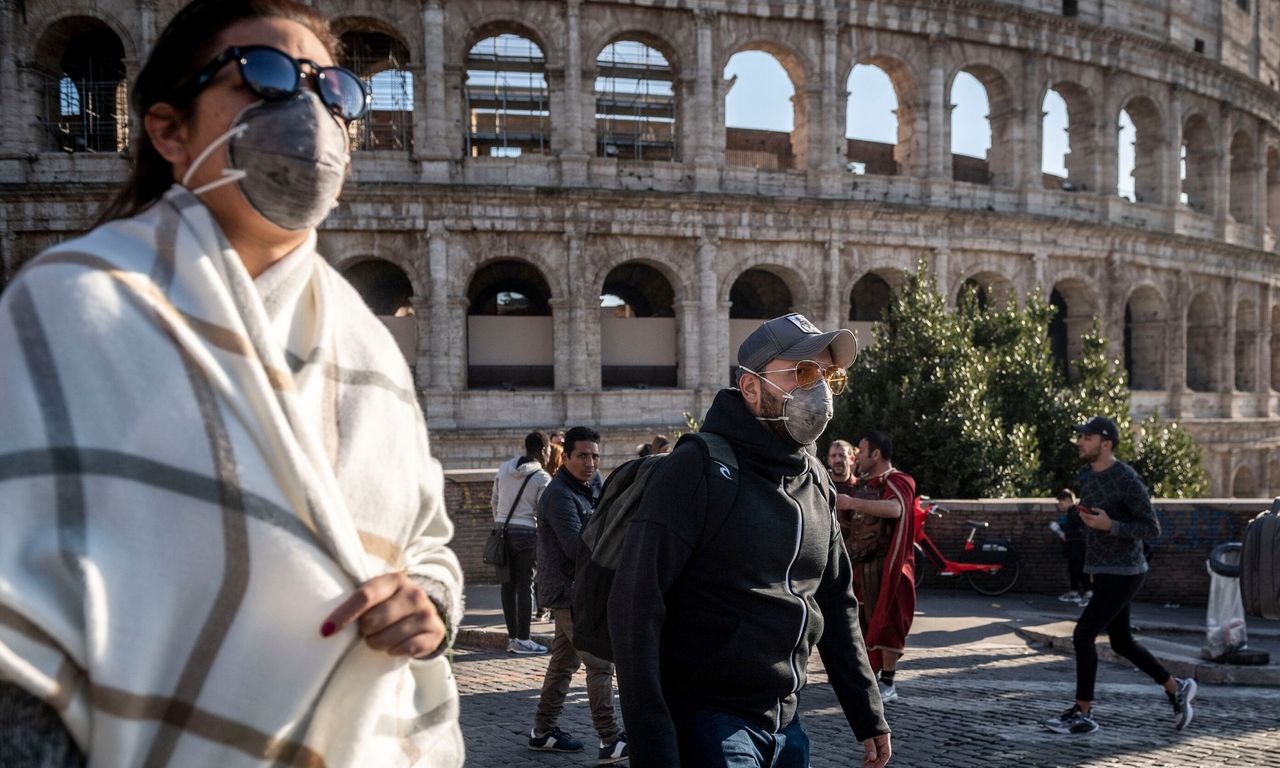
x=195, y=468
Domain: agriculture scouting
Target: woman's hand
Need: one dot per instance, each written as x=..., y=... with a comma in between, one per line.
x=392, y=614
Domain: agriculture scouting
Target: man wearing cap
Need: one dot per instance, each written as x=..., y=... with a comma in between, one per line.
x=713, y=615
x=1115, y=506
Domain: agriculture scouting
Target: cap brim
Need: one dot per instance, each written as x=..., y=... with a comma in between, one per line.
x=1083, y=429
x=844, y=347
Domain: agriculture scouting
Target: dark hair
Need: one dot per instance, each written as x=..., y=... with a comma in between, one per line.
x=659, y=442
x=579, y=434
x=534, y=443
x=1066, y=495
x=186, y=44
x=880, y=441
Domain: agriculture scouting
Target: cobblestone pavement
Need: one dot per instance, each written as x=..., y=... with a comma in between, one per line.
x=979, y=703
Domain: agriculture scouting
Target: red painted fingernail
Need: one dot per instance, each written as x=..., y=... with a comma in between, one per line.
x=327, y=629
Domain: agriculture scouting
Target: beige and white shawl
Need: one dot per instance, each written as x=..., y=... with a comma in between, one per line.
x=196, y=467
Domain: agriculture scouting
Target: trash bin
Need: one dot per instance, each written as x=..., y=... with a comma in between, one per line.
x=1226, y=636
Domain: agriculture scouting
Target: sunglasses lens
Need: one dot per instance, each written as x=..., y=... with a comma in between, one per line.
x=807, y=373
x=342, y=91
x=837, y=378
x=269, y=73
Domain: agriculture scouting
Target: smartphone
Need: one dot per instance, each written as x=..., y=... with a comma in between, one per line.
x=1083, y=510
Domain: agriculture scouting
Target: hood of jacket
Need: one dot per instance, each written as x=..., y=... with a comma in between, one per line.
x=731, y=417
x=514, y=468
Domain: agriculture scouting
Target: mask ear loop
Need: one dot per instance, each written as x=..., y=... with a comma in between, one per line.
x=785, y=395
x=229, y=175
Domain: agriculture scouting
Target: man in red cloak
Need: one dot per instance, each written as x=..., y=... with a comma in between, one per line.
x=879, y=531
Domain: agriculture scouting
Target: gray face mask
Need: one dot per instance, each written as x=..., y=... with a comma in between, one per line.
x=805, y=412
x=290, y=158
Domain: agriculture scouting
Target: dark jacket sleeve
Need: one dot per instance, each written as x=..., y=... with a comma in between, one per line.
x=1144, y=523
x=843, y=653
x=659, y=541
x=561, y=514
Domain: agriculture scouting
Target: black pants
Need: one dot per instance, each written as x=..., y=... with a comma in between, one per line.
x=1080, y=581
x=517, y=582
x=1109, y=608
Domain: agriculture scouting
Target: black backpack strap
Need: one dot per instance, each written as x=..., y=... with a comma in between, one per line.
x=519, y=493
x=722, y=480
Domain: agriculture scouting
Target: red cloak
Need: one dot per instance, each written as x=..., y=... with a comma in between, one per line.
x=895, y=603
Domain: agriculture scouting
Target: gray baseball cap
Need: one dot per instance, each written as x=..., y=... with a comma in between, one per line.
x=793, y=337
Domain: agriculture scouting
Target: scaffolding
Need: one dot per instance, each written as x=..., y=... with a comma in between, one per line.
x=506, y=98
x=635, y=103
x=382, y=62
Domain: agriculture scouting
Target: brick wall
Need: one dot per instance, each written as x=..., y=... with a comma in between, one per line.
x=1189, y=530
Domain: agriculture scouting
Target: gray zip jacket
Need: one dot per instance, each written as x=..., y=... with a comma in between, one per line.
x=506, y=485
x=1120, y=492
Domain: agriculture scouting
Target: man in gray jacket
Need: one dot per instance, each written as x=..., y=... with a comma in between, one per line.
x=1117, y=510
x=565, y=507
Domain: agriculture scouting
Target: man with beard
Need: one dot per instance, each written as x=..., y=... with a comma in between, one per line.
x=879, y=528
x=717, y=606
x=840, y=466
x=1115, y=506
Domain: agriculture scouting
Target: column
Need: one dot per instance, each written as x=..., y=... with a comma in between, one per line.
x=942, y=272
x=688, y=318
x=834, y=301
x=146, y=28
x=430, y=118
x=1029, y=159
x=1039, y=263
x=1259, y=184
x=1262, y=384
x=937, y=147
x=705, y=160
x=573, y=155
x=1222, y=187
x=1176, y=339
x=565, y=337
x=12, y=138
x=827, y=156
x=1171, y=147
x=709, y=314
x=439, y=336
x=1106, y=137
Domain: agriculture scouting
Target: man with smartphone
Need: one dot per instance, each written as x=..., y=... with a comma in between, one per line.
x=1116, y=509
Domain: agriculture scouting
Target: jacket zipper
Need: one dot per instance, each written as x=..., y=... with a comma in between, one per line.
x=804, y=608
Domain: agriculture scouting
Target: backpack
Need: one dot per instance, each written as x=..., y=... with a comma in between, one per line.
x=1260, y=565
x=600, y=546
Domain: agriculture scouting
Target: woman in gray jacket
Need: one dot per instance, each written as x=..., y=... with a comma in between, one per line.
x=516, y=491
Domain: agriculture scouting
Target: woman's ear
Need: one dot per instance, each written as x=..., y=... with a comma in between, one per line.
x=167, y=130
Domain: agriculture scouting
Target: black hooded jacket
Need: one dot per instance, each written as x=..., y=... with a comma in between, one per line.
x=725, y=619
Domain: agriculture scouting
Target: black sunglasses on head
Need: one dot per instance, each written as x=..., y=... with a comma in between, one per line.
x=274, y=75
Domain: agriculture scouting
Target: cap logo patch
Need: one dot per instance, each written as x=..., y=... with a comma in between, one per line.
x=802, y=322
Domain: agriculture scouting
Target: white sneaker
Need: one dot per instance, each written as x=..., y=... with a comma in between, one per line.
x=1069, y=597
x=511, y=645
x=526, y=647
x=888, y=693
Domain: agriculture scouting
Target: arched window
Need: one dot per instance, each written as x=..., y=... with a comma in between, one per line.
x=1139, y=148
x=382, y=61
x=510, y=336
x=1242, y=177
x=1197, y=165
x=1144, y=339
x=84, y=89
x=1246, y=348
x=870, y=299
x=1245, y=484
x=981, y=116
x=873, y=132
x=757, y=295
x=637, y=328
x=507, y=106
x=1074, y=309
x=635, y=103
x=759, y=113
x=1067, y=141
x=389, y=293
x=990, y=290
x=1203, y=328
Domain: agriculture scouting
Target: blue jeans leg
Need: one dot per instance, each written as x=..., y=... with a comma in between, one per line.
x=719, y=740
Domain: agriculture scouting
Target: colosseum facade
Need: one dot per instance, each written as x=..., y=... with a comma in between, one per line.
x=526, y=158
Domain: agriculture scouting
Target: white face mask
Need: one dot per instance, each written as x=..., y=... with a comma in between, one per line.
x=289, y=157
x=805, y=412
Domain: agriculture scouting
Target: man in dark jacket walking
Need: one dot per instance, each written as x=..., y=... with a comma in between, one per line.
x=565, y=507
x=713, y=621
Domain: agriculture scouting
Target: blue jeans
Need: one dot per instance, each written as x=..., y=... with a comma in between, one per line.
x=719, y=740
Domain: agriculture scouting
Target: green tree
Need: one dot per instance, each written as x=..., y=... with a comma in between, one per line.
x=978, y=407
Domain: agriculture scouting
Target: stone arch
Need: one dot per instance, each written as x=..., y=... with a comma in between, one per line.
x=1075, y=303
x=873, y=155
x=1244, y=483
x=376, y=51
x=991, y=290
x=636, y=103
x=1146, y=321
x=510, y=329
x=1198, y=157
x=1204, y=326
x=1080, y=160
x=769, y=149
x=997, y=168
x=1273, y=191
x=757, y=293
x=871, y=294
x=1246, y=345
x=388, y=292
x=639, y=335
x=507, y=101
x=1243, y=169
x=83, y=102
x=1143, y=159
